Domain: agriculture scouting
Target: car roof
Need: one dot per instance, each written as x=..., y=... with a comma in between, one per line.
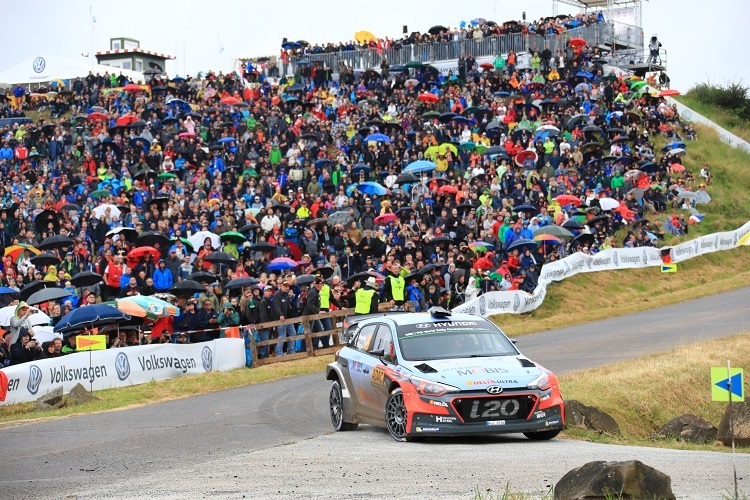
x=425, y=317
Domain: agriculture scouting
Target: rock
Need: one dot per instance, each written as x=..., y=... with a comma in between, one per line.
x=78, y=395
x=50, y=401
x=591, y=417
x=689, y=428
x=631, y=479
x=741, y=417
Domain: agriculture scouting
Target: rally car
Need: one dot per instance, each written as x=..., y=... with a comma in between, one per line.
x=440, y=374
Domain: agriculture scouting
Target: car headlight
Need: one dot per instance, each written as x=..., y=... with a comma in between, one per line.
x=430, y=388
x=540, y=383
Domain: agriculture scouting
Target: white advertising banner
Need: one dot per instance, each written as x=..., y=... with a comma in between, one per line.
x=121, y=367
x=725, y=135
x=517, y=301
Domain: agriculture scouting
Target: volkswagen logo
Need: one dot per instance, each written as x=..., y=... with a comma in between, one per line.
x=39, y=64
x=494, y=389
x=645, y=257
x=35, y=379
x=208, y=359
x=516, y=302
x=614, y=259
x=687, y=114
x=482, y=305
x=122, y=366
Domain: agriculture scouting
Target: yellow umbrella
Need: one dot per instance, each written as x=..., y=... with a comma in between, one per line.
x=364, y=36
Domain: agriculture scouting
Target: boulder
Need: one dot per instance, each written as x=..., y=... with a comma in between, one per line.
x=50, y=401
x=741, y=417
x=631, y=479
x=591, y=417
x=688, y=428
x=78, y=395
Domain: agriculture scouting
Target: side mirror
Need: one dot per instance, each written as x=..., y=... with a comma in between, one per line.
x=515, y=341
x=378, y=354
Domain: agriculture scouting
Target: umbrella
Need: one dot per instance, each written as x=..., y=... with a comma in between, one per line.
x=187, y=287
x=70, y=207
x=364, y=37
x=598, y=218
x=153, y=239
x=669, y=92
x=15, y=251
x=86, y=278
x=440, y=239
x=448, y=189
x=102, y=210
x=233, y=236
x=372, y=188
x=142, y=252
x=199, y=238
x=377, y=138
x=263, y=246
x=385, y=218
x=572, y=224
x=4, y=290
x=637, y=193
x=478, y=246
x=45, y=259
x=674, y=145
x=44, y=219
x=90, y=316
x=220, y=258
x=47, y=295
x=677, y=168
x=240, y=283
x=132, y=309
x=305, y=279
x=244, y=229
x=526, y=208
x=552, y=230
x=362, y=277
x=203, y=277
x=323, y=272
x=676, y=151
x=153, y=305
x=100, y=193
x=320, y=221
x=44, y=334
x=406, y=179
x=281, y=264
x=428, y=97
x=96, y=116
x=608, y=203
x=128, y=233
x=57, y=241
x=568, y=199
x=547, y=239
x=522, y=244
x=37, y=318
x=436, y=29
x=340, y=218
x=420, y=166
x=583, y=239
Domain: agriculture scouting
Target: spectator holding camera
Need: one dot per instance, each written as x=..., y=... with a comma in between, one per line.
x=20, y=320
x=25, y=349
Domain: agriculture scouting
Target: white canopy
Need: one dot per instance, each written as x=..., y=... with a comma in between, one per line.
x=48, y=68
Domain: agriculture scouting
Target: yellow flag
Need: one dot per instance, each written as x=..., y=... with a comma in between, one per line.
x=91, y=342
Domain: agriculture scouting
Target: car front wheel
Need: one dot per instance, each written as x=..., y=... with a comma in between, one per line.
x=396, y=416
x=336, y=405
x=542, y=436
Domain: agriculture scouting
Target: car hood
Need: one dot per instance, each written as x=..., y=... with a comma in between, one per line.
x=470, y=374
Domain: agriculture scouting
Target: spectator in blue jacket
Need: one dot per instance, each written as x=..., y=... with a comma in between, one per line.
x=162, y=277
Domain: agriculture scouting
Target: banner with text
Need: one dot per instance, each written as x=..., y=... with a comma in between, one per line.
x=121, y=367
x=517, y=301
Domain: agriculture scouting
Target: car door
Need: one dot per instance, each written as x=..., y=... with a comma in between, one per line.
x=360, y=369
x=373, y=367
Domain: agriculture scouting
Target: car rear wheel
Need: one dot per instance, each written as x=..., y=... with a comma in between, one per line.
x=542, y=436
x=336, y=405
x=396, y=416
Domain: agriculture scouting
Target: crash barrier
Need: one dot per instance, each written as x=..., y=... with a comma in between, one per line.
x=106, y=369
x=517, y=301
x=305, y=337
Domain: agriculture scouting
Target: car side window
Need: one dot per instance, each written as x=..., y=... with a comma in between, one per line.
x=364, y=337
x=383, y=340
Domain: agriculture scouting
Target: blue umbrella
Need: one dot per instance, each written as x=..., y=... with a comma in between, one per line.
x=182, y=105
x=90, y=316
x=372, y=188
x=145, y=144
x=674, y=145
x=419, y=166
x=584, y=74
x=290, y=45
x=522, y=244
x=297, y=87
x=377, y=138
x=461, y=120
x=279, y=266
x=96, y=109
x=5, y=290
x=323, y=162
x=625, y=160
x=649, y=167
x=178, y=79
x=362, y=168
x=224, y=140
x=396, y=68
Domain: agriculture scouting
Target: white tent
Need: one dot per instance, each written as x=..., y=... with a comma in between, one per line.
x=48, y=68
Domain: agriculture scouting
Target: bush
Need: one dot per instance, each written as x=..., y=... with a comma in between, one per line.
x=733, y=97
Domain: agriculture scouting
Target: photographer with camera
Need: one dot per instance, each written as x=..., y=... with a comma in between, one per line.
x=20, y=320
x=25, y=349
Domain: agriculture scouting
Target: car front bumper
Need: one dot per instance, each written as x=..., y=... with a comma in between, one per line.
x=424, y=424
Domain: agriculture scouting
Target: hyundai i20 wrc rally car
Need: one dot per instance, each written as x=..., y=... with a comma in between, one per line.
x=440, y=374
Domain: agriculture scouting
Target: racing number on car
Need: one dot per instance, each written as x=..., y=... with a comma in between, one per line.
x=493, y=409
x=378, y=376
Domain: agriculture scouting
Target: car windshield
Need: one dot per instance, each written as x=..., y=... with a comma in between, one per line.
x=453, y=339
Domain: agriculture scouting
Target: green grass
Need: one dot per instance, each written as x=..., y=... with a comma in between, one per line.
x=727, y=119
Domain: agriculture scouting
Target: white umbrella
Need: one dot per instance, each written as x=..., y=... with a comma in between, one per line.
x=101, y=209
x=198, y=239
x=44, y=334
x=38, y=318
x=549, y=127
x=633, y=174
x=676, y=151
x=608, y=203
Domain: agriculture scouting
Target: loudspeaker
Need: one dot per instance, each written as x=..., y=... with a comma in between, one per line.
x=284, y=41
x=406, y=29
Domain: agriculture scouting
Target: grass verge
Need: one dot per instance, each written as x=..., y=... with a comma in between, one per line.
x=645, y=393
x=720, y=116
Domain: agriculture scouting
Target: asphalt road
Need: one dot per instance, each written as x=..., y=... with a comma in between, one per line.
x=222, y=443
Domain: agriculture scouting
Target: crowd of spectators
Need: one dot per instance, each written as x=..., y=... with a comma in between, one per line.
x=313, y=170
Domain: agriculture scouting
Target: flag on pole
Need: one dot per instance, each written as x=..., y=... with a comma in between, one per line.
x=91, y=342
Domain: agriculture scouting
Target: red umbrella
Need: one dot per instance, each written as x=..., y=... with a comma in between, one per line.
x=568, y=199
x=96, y=116
x=427, y=97
x=448, y=189
x=578, y=42
x=294, y=249
x=140, y=252
x=126, y=120
x=385, y=218
x=669, y=92
x=231, y=101
x=678, y=168
x=525, y=155
x=132, y=87
x=186, y=134
x=486, y=65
